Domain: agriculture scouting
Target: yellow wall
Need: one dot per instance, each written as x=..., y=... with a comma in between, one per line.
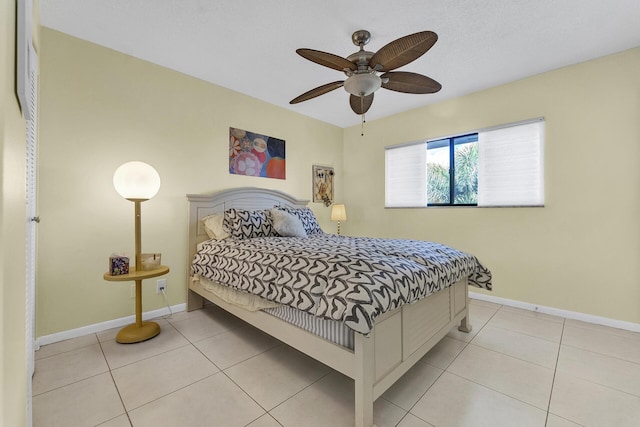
x=13, y=369
x=581, y=251
x=100, y=108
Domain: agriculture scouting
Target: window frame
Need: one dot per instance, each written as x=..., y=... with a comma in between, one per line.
x=452, y=142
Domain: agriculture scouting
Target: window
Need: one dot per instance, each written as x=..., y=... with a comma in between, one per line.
x=452, y=171
x=501, y=166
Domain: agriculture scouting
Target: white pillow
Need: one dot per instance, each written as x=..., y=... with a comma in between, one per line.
x=214, y=226
x=286, y=224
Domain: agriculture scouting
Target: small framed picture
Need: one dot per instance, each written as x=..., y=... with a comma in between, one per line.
x=323, y=184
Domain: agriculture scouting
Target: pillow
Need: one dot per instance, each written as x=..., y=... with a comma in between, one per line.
x=306, y=216
x=214, y=226
x=286, y=224
x=243, y=224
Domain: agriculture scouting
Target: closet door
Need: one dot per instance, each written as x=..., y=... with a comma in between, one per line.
x=32, y=221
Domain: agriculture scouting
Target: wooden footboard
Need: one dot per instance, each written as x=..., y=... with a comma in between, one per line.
x=398, y=341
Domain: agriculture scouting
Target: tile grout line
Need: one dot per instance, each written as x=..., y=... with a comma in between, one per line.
x=331, y=371
x=413, y=415
x=499, y=392
x=608, y=335
x=189, y=343
x=248, y=395
x=524, y=333
x=67, y=351
x=519, y=333
x=591, y=381
x=222, y=371
x=565, y=328
x=479, y=384
x=555, y=370
x=171, y=392
x=447, y=367
x=528, y=318
x=192, y=344
x=602, y=354
x=148, y=357
x=115, y=385
x=492, y=350
x=73, y=382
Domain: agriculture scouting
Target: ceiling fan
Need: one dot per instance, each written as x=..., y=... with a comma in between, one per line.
x=368, y=71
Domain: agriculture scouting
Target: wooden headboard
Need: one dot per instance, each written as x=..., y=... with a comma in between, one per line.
x=201, y=205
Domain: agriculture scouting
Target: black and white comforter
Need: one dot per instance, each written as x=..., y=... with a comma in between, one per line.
x=349, y=279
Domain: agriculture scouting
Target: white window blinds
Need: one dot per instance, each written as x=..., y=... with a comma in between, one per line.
x=406, y=175
x=510, y=165
x=510, y=168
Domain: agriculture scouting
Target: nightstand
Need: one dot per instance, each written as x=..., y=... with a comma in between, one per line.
x=139, y=331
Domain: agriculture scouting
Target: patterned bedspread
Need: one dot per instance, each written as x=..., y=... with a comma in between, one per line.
x=350, y=279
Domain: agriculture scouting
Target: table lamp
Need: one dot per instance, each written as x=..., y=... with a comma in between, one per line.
x=137, y=181
x=338, y=213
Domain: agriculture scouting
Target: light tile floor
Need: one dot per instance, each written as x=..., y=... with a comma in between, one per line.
x=206, y=368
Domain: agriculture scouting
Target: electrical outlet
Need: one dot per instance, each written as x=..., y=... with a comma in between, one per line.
x=133, y=290
x=161, y=286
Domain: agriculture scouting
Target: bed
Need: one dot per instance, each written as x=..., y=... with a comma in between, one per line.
x=384, y=346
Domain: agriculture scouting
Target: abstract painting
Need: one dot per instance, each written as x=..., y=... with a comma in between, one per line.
x=253, y=154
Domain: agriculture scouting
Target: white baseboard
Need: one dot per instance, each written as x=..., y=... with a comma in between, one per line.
x=123, y=321
x=103, y=326
x=589, y=318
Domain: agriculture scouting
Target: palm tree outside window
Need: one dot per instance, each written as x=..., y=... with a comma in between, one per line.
x=452, y=171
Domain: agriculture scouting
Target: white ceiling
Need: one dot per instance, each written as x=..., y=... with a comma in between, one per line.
x=249, y=45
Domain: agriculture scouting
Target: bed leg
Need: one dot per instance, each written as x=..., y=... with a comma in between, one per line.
x=194, y=301
x=365, y=373
x=465, y=326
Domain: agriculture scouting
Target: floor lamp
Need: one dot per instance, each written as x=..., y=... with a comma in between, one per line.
x=138, y=182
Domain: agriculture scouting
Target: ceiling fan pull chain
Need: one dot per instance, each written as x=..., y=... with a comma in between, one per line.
x=362, y=109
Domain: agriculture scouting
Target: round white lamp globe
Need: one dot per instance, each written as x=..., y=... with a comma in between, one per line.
x=136, y=181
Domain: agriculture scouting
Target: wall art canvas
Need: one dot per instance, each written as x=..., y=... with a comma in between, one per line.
x=253, y=154
x=323, y=184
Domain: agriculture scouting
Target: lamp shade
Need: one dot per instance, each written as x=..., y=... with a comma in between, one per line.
x=136, y=181
x=338, y=213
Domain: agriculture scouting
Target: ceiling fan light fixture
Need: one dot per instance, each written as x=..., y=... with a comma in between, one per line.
x=362, y=84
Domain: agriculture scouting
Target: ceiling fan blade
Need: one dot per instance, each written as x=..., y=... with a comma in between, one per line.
x=404, y=81
x=403, y=50
x=360, y=105
x=320, y=90
x=327, y=59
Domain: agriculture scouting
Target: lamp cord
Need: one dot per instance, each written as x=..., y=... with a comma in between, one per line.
x=166, y=301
